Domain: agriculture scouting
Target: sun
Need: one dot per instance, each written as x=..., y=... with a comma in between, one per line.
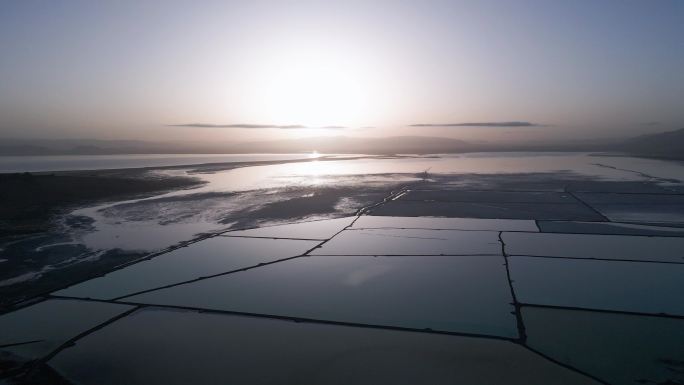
x=315, y=86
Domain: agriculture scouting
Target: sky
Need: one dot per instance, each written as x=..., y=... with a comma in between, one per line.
x=260, y=70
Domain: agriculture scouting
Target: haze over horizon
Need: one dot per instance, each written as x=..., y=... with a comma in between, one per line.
x=271, y=70
x=337, y=192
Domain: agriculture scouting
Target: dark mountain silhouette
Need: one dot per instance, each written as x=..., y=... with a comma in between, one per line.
x=480, y=124
x=668, y=144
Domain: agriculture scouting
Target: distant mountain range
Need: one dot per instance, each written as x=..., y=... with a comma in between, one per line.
x=662, y=145
x=665, y=145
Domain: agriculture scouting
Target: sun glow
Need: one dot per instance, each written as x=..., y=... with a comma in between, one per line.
x=316, y=86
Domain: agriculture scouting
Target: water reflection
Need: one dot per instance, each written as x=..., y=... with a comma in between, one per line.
x=418, y=292
x=325, y=187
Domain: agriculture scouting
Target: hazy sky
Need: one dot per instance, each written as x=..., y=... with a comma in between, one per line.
x=132, y=70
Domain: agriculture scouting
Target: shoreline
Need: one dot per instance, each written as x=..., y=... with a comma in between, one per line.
x=30, y=200
x=38, y=247
x=41, y=255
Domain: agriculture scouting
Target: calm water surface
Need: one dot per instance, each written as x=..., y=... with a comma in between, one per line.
x=157, y=222
x=105, y=162
x=114, y=230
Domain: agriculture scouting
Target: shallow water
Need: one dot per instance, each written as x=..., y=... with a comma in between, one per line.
x=324, y=188
x=326, y=172
x=105, y=162
x=407, y=291
x=517, y=304
x=138, y=350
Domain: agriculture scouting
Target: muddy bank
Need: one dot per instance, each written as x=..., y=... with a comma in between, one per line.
x=32, y=211
x=46, y=242
x=29, y=200
x=33, y=265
